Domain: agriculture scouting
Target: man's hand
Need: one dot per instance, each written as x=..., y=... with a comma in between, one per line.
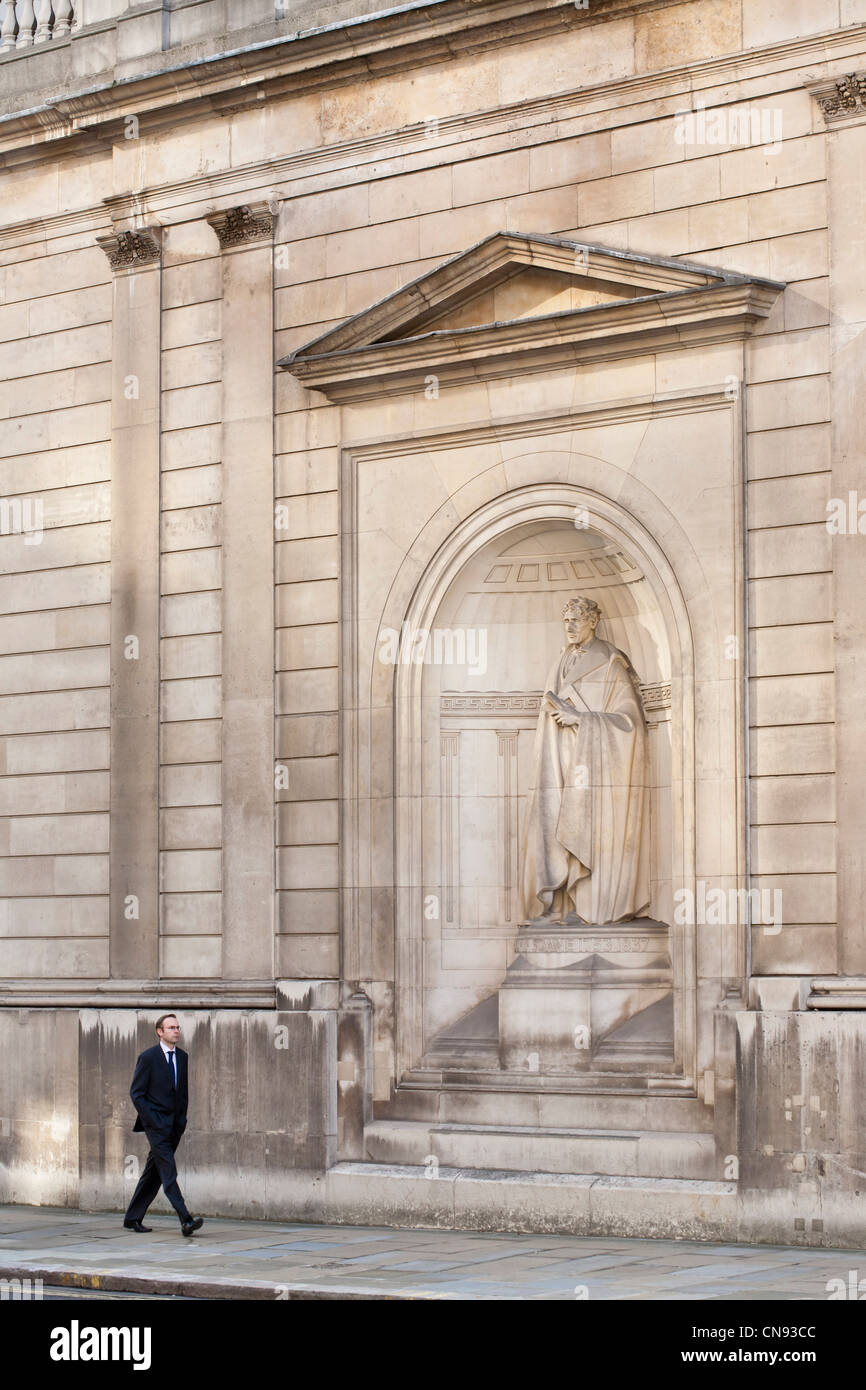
x=560, y=711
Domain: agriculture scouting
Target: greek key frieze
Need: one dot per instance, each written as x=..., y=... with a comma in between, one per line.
x=606, y=945
x=653, y=696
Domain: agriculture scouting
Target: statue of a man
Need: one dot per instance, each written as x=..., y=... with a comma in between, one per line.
x=586, y=850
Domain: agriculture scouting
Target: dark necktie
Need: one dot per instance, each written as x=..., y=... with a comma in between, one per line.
x=171, y=1066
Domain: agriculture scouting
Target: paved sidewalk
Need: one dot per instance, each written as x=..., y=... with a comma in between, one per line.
x=270, y=1260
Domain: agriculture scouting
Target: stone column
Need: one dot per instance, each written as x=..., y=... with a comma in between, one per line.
x=134, y=257
x=844, y=107
x=246, y=240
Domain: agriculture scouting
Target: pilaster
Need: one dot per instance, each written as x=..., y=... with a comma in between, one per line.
x=246, y=235
x=135, y=259
x=843, y=103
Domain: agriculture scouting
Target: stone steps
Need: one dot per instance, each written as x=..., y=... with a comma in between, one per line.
x=380, y=1194
x=548, y=1108
x=601, y=1153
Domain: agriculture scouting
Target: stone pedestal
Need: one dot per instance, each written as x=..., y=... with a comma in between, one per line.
x=569, y=989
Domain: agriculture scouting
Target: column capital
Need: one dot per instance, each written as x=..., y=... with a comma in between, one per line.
x=842, y=98
x=237, y=226
x=134, y=249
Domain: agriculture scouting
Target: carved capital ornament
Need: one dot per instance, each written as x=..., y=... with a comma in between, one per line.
x=132, y=250
x=237, y=226
x=843, y=98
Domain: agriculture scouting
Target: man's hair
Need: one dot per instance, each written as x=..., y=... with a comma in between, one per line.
x=161, y=1020
x=583, y=607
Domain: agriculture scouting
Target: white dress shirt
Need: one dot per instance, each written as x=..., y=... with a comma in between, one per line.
x=169, y=1052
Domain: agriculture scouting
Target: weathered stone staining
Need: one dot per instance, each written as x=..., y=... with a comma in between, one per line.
x=334, y=365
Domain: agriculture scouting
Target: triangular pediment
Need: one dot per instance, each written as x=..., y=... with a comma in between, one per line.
x=527, y=292
x=513, y=293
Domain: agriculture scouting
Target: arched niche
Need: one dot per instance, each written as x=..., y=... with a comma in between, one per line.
x=462, y=737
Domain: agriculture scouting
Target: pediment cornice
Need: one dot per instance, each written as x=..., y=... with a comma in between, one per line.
x=670, y=304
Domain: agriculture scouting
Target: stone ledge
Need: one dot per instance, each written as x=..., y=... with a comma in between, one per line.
x=138, y=994
x=221, y=71
x=567, y=1203
x=838, y=992
x=577, y=1204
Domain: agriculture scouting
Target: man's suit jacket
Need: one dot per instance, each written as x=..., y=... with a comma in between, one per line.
x=160, y=1107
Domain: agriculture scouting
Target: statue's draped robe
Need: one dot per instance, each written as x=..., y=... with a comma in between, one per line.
x=587, y=828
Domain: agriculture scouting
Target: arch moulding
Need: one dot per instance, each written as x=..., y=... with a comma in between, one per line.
x=383, y=806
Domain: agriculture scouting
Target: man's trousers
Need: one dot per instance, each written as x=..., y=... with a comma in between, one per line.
x=160, y=1168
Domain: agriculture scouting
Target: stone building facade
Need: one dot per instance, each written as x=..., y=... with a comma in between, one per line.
x=338, y=349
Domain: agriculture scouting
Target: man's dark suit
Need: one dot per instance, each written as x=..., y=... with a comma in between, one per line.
x=162, y=1116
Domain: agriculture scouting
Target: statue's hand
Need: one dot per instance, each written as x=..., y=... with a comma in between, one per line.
x=565, y=720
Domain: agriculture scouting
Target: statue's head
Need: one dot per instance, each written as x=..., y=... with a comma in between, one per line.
x=581, y=616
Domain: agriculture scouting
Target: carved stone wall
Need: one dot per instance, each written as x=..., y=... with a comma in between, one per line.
x=527, y=258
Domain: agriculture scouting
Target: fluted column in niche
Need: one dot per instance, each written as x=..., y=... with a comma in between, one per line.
x=245, y=235
x=135, y=259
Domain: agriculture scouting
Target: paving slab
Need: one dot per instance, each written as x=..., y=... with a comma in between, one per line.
x=232, y=1259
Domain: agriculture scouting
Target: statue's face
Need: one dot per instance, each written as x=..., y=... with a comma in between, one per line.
x=579, y=628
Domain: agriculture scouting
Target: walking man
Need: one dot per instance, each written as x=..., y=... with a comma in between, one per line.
x=159, y=1093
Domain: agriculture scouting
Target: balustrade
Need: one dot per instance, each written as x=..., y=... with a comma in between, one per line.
x=27, y=23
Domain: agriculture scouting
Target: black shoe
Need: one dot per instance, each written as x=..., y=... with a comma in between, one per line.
x=137, y=1226
x=194, y=1224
